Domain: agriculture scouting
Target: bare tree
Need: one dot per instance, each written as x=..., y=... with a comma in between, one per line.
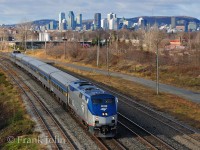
x=3, y=37
x=24, y=32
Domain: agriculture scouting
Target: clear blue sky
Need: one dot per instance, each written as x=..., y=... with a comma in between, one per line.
x=16, y=11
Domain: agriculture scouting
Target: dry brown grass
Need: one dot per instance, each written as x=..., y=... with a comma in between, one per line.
x=180, y=108
x=181, y=75
x=14, y=120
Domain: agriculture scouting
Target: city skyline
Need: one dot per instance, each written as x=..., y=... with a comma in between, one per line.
x=29, y=10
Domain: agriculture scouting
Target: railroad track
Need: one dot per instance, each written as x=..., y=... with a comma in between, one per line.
x=190, y=136
x=57, y=136
x=99, y=141
x=146, y=137
x=112, y=144
x=103, y=143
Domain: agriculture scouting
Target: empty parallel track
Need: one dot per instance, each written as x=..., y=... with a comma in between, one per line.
x=57, y=136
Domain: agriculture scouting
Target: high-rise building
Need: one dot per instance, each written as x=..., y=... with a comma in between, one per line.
x=61, y=17
x=112, y=21
x=113, y=24
x=192, y=26
x=63, y=25
x=173, y=22
x=142, y=23
x=71, y=22
x=104, y=24
x=111, y=15
x=79, y=20
x=53, y=25
x=97, y=21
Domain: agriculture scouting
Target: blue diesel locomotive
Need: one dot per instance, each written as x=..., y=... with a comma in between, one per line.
x=96, y=108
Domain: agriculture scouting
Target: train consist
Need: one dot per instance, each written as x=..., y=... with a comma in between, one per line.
x=96, y=108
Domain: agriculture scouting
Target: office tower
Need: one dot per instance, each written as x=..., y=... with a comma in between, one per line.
x=112, y=21
x=53, y=25
x=111, y=16
x=61, y=17
x=192, y=26
x=97, y=21
x=63, y=25
x=186, y=26
x=79, y=20
x=104, y=24
x=173, y=22
x=142, y=23
x=71, y=22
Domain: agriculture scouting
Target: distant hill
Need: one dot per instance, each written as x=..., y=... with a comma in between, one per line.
x=150, y=19
x=43, y=22
x=164, y=19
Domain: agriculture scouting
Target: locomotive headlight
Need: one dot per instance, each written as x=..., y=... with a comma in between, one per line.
x=96, y=120
x=113, y=118
x=105, y=114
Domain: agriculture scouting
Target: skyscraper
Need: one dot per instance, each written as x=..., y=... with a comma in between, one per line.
x=97, y=21
x=111, y=15
x=142, y=23
x=173, y=22
x=104, y=24
x=63, y=25
x=53, y=25
x=61, y=17
x=192, y=26
x=71, y=22
x=112, y=21
x=79, y=20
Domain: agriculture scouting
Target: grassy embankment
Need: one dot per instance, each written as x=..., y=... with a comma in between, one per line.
x=14, y=120
x=181, y=109
x=184, y=76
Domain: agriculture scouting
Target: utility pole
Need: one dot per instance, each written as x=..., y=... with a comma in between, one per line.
x=157, y=70
x=107, y=56
x=32, y=43
x=65, y=40
x=98, y=52
x=117, y=44
x=83, y=41
x=45, y=45
x=25, y=40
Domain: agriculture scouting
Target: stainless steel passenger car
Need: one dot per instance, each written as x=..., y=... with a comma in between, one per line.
x=96, y=108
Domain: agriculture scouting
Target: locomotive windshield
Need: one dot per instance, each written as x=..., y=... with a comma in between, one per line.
x=103, y=101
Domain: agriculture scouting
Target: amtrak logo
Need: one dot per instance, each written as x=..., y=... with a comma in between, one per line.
x=104, y=107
